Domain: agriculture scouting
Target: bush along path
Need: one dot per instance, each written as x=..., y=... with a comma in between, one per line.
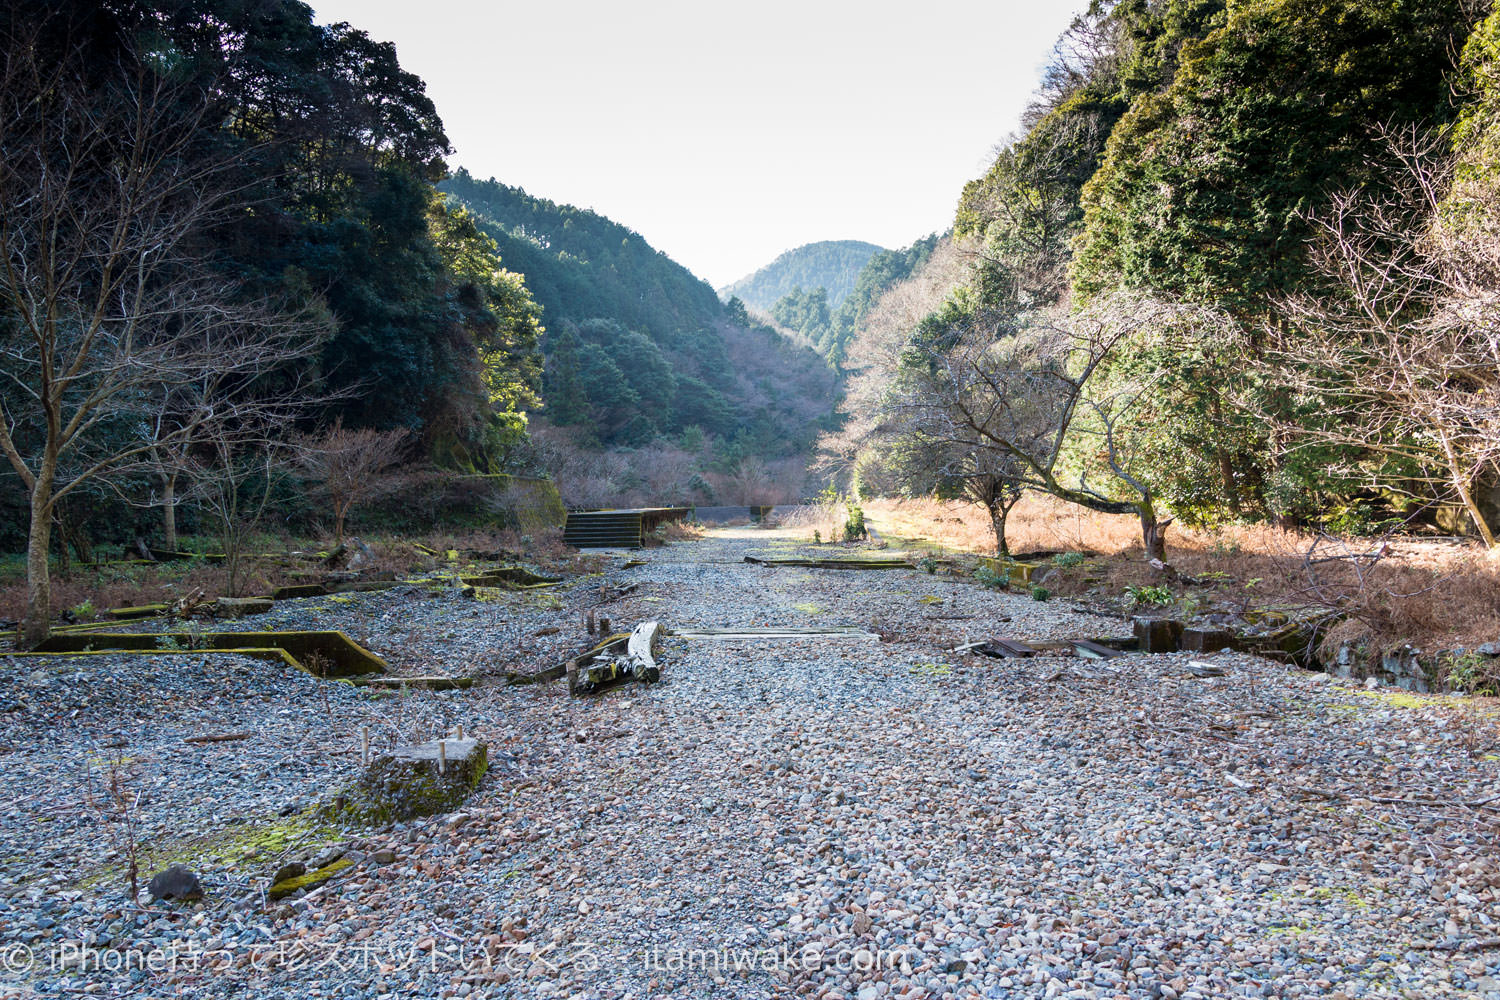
x=820, y=797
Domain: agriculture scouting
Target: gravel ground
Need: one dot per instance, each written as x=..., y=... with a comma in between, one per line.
x=793, y=817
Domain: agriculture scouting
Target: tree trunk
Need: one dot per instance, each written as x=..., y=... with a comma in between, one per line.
x=169, y=513
x=36, y=624
x=999, y=512
x=1476, y=515
x=1465, y=493
x=60, y=535
x=1154, y=533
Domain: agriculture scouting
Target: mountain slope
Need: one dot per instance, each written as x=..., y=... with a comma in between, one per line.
x=638, y=349
x=580, y=265
x=830, y=330
x=833, y=265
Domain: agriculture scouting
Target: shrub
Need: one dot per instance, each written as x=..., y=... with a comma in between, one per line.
x=990, y=579
x=1154, y=594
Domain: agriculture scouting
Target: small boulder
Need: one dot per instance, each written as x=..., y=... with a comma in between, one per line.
x=176, y=883
x=1202, y=668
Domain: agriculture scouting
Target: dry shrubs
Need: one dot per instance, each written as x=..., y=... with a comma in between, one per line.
x=1434, y=594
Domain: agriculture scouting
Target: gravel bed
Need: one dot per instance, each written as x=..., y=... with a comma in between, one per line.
x=792, y=817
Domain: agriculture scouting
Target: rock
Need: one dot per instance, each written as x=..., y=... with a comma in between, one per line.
x=1202, y=668
x=281, y=888
x=1488, y=649
x=239, y=607
x=175, y=883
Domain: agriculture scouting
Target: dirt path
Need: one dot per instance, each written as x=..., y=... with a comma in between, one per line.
x=856, y=818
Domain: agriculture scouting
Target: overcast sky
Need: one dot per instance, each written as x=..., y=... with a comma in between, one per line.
x=727, y=132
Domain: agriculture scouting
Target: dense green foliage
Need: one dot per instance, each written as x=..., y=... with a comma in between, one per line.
x=637, y=347
x=1205, y=188
x=338, y=148
x=832, y=265
x=581, y=265
x=1178, y=160
x=808, y=312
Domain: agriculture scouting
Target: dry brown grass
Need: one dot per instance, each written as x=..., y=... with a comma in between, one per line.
x=1433, y=594
x=391, y=557
x=133, y=586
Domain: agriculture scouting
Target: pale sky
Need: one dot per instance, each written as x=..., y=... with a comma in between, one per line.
x=727, y=132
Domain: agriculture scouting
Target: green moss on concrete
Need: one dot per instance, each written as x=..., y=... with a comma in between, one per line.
x=393, y=789
x=313, y=878
x=325, y=653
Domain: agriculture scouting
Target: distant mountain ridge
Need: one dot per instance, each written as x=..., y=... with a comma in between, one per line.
x=833, y=265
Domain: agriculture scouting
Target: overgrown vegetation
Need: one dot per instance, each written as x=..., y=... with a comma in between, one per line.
x=1237, y=268
x=1261, y=313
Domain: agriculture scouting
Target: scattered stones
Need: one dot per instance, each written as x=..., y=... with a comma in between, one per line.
x=924, y=822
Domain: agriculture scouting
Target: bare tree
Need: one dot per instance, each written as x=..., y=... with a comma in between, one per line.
x=350, y=466
x=233, y=476
x=1023, y=395
x=109, y=301
x=1398, y=366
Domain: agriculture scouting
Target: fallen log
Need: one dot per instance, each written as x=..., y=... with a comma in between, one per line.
x=639, y=663
x=218, y=738
x=612, y=644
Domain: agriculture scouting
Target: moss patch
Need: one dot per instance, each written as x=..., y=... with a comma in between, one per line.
x=317, y=877
x=254, y=842
x=1399, y=698
x=396, y=788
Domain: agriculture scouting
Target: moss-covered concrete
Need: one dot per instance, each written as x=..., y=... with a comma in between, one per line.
x=411, y=781
x=324, y=653
x=316, y=877
x=255, y=653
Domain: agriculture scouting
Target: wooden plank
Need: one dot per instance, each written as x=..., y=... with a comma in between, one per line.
x=832, y=563
x=1091, y=650
x=835, y=633
x=1006, y=649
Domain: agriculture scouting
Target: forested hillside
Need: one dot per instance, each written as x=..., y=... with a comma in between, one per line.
x=829, y=328
x=639, y=351
x=832, y=265
x=581, y=265
x=1238, y=264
